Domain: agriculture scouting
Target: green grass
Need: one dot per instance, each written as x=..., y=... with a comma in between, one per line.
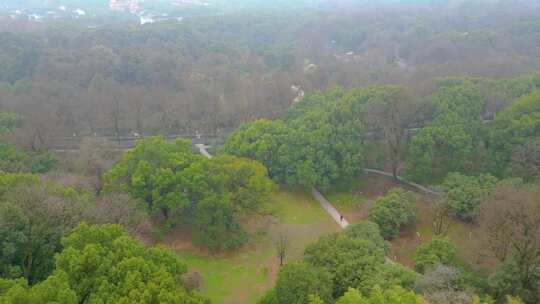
x=346, y=199
x=243, y=277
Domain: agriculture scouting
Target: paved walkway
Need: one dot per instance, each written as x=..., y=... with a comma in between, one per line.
x=202, y=149
x=329, y=208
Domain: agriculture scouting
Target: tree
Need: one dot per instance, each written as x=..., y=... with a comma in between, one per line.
x=394, y=295
x=151, y=172
x=55, y=289
x=367, y=230
x=448, y=143
x=510, y=230
x=183, y=187
x=390, y=111
x=440, y=250
x=463, y=194
x=393, y=211
x=259, y=140
x=297, y=282
x=513, y=127
x=441, y=215
x=314, y=145
x=9, y=122
x=12, y=159
x=96, y=156
x=441, y=147
x=351, y=262
x=282, y=245
x=443, y=284
x=103, y=264
x=461, y=96
x=34, y=218
x=525, y=160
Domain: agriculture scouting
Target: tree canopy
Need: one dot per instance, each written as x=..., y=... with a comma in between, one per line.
x=393, y=211
x=184, y=187
x=102, y=264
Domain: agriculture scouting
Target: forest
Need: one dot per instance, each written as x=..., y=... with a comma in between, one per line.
x=356, y=154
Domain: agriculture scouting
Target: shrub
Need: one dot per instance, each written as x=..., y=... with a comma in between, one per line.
x=393, y=211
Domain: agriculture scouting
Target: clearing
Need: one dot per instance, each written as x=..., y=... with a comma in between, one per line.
x=244, y=276
x=354, y=204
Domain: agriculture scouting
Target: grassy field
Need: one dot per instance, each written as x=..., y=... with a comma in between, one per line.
x=244, y=276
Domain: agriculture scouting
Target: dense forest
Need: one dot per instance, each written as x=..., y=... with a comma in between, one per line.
x=440, y=101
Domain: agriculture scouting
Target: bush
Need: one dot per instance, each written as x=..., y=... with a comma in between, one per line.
x=43, y=163
x=296, y=282
x=439, y=251
x=393, y=211
x=367, y=230
x=463, y=194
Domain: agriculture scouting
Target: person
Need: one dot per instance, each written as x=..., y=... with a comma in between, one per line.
x=341, y=217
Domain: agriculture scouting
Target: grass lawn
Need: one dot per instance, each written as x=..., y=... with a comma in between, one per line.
x=244, y=276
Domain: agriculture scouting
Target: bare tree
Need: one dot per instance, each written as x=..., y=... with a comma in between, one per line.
x=282, y=248
x=510, y=229
x=441, y=222
x=390, y=115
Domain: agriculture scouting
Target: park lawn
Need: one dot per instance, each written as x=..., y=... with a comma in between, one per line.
x=244, y=276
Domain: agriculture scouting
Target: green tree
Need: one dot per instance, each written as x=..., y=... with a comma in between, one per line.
x=314, y=145
x=449, y=142
x=440, y=250
x=298, y=283
x=55, y=289
x=12, y=159
x=209, y=194
x=514, y=127
x=151, y=172
x=394, y=295
x=260, y=140
x=33, y=219
x=9, y=122
x=367, y=230
x=352, y=262
x=463, y=194
x=443, y=146
x=393, y=211
x=104, y=264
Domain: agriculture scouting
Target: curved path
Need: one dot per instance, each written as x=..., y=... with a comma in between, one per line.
x=404, y=181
